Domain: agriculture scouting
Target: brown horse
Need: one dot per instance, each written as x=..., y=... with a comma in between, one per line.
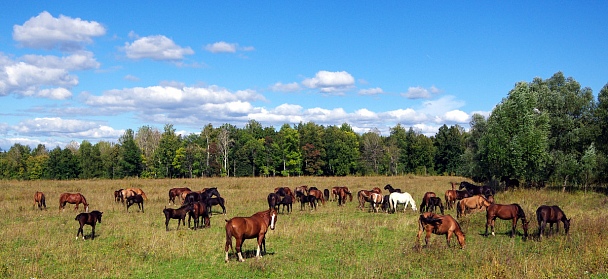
x=39, y=200
x=475, y=202
x=366, y=196
x=376, y=201
x=439, y=224
x=450, y=198
x=118, y=196
x=176, y=192
x=506, y=212
x=255, y=226
x=285, y=191
x=73, y=198
x=88, y=219
x=139, y=192
x=425, y=201
x=551, y=214
x=340, y=192
x=318, y=195
x=125, y=194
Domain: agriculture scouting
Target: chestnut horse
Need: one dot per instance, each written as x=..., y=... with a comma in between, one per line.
x=365, y=196
x=340, y=193
x=424, y=204
x=40, y=200
x=551, y=214
x=439, y=224
x=139, y=192
x=506, y=212
x=88, y=219
x=318, y=195
x=73, y=198
x=475, y=202
x=176, y=192
x=242, y=228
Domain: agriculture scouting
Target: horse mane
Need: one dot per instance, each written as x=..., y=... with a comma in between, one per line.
x=520, y=211
x=84, y=200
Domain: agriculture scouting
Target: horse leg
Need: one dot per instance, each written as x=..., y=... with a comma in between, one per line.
x=167, y=223
x=80, y=231
x=93, y=231
x=448, y=236
x=513, y=227
x=428, y=236
x=258, y=253
x=239, y=244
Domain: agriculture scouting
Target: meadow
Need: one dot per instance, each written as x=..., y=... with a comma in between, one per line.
x=331, y=242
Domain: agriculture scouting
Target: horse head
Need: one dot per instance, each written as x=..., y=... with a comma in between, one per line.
x=525, y=227
x=273, y=218
x=567, y=225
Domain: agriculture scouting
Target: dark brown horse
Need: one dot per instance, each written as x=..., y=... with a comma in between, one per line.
x=39, y=200
x=476, y=190
x=137, y=199
x=88, y=219
x=118, y=196
x=179, y=214
x=176, y=192
x=390, y=189
x=73, y=198
x=285, y=191
x=365, y=196
x=242, y=228
x=552, y=215
x=318, y=195
x=425, y=201
x=199, y=211
x=506, y=212
x=439, y=224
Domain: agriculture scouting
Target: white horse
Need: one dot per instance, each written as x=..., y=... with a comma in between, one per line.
x=376, y=201
x=405, y=198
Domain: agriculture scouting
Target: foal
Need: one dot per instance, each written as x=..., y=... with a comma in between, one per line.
x=88, y=219
x=138, y=199
x=179, y=214
x=40, y=200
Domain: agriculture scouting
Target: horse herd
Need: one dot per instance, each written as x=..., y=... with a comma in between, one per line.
x=197, y=205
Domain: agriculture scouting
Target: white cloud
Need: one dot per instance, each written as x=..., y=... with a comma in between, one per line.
x=371, y=91
x=47, y=32
x=68, y=128
x=27, y=79
x=330, y=82
x=157, y=48
x=442, y=105
x=131, y=78
x=224, y=47
x=55, y=93
x=456, y=116
x=83, y=60
x=289, y=87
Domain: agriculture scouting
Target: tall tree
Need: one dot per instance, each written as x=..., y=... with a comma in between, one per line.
x=372, y=150
x=130, y=155
x=90, y=160
x=289, y=143
x=165, y=154
x=450, y=147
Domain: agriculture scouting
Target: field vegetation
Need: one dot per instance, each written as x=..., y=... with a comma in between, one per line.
x=331, y=242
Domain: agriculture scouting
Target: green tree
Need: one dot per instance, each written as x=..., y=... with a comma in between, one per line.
x=90, y=161
x=130, y=159
x=313, y=148
x=165, y=154
x=450, y=148
x=289, y=144
x=372, y=151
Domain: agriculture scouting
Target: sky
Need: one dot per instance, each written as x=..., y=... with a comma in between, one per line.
x=89, y=70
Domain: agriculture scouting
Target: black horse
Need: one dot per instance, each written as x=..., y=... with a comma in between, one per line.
x=551, y=214
x=433, y=203
x=88, y=219
x=273, y=201
x=390, y=189
x=215, y=201
x=287, y=201
x=138, y=199
x=476, y=190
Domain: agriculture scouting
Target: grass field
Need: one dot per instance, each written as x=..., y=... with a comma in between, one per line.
x=331, y=242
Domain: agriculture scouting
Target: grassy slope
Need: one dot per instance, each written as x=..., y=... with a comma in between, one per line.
x=331, y=242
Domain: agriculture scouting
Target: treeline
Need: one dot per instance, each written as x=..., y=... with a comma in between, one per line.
x=544, y=131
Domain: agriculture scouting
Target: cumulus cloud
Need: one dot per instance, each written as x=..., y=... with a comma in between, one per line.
x=69, y=128
x=420, y=92
x=371, y=91
x=82, y=60
x=55, y=93
x=27, y=79
x=156, y=47
x=330, y=82
x=456, y=116
x=289, y=87
x=47, y=32
x=442, y=105
x=224, y=47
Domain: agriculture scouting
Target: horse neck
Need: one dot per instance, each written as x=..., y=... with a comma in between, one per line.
x=84, y=201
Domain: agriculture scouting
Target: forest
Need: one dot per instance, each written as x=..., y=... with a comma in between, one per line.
x=544, y=132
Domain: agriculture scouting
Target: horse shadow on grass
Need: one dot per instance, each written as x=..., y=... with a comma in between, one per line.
x=249, y=254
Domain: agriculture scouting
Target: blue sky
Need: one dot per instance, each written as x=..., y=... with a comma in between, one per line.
x=79, y=70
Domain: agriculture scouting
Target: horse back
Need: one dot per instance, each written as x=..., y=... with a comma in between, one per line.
x=245, y=227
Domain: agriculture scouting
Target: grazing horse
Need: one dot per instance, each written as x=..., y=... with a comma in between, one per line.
x=435, y=202
x=340, y=192
x=365, y=196
x=375, y=201
x=39, y=200
x=118, y=196
x=450, y=198
x=193, y=197
x=273, y=201
x=475, y=202
x=311, y=200
x=138, y=191
x=476, y=190
x=287, y=201
x=386, y=204
x=88, y=219
x=177, y=192
x=126, y=193
x=179, y=214
x=242, y=228
x=318, y=195
x=404, y=198
x=215, y=201
x=425, y=200
x=73, y=198
x=506, y=212
x=390, y=189
x=301, y=189
x=551, y=214
x=326, y=194
x=199, y=210
x=439, y=224
x=285, y=191
x=138, y=199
